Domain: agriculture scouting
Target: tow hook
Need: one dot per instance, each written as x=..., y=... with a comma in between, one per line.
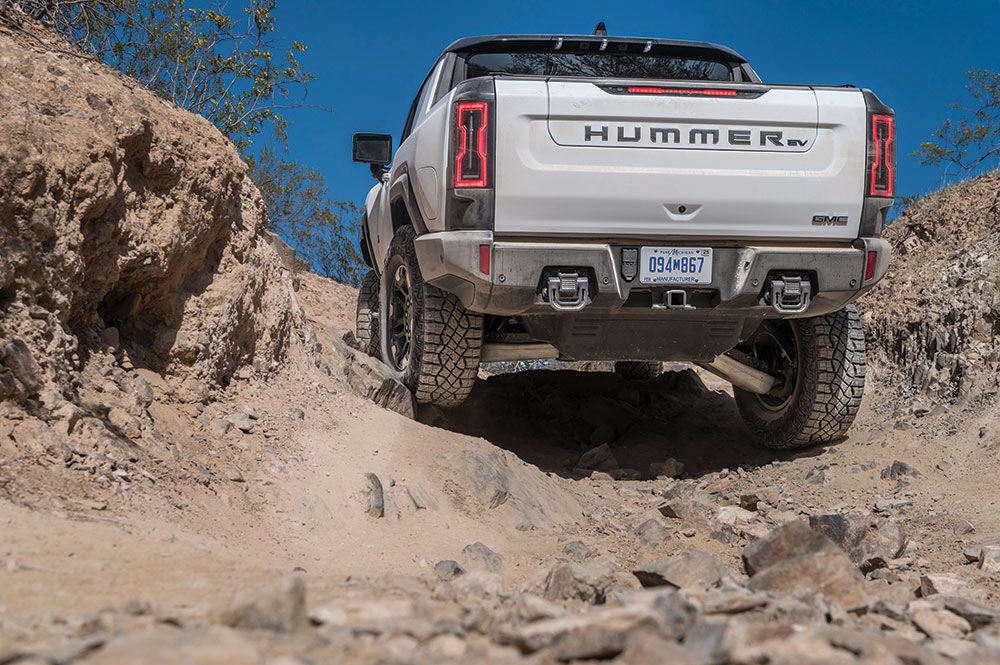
x=568, y=292
x=788, y=295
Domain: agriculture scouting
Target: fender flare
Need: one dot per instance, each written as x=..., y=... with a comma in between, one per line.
x=401, y=193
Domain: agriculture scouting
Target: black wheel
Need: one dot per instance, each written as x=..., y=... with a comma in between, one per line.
x=821, y=362
x=366, y=316
x=428, y=338
x=638, y=370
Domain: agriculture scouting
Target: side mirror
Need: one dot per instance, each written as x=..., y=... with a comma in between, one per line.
x=373, y=149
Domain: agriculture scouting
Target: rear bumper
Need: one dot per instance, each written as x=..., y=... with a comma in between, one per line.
x=513, y=277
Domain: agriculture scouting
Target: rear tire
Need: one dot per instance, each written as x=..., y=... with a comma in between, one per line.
x=632, y=370
x=822, y=359
x=367, y=315
x=428, y=338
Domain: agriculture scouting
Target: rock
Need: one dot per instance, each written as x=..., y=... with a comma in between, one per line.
x=940, y=624
x=142, y=391
x=576, y=550
x=976, y=614
x=448, y=569
x=496, y=479
x=602, y=435
x=20, y=365
x=898, y=470
x=869, y=543
x=599, y=459
x=279, y=607
x=250, y=412
x=233, y=474
x=942, y=583
x=669, y=468
x=989, y=558
x=974, y=553
x=35, y=438
x=298, y=414
x=473, y=588
x=373, y=497
x=652, y=533
x=827, y=571
x=240, y=421
x=650, y=649
x=167, y=645
x=364, y=613
x=694, y=570
x=963, y=528
x=768, y=495
x=888, y=505
x=481, y=556
x=588, y=581
x=604, y=631
x=733, y=515
x=530, y=608
x=791, y=540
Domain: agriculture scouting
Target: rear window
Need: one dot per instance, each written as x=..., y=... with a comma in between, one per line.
x=598, y=64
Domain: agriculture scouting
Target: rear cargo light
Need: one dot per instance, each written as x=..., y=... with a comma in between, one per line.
x=871, y=258
x=882, y=156
x=471, y=160
x=681, y=91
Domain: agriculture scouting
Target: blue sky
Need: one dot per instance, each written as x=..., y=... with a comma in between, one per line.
x=369, y=57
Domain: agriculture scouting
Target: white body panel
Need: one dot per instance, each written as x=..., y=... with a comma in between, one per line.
x=550, y=182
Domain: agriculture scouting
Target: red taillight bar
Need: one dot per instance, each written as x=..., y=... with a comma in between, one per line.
x=681, y=91
x=480, y=145
x=871, y=258
x=883, y=155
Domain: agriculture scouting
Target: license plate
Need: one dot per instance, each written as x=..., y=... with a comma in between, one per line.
x=675, y=265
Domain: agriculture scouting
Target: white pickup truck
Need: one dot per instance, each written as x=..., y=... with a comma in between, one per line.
x=630, y=200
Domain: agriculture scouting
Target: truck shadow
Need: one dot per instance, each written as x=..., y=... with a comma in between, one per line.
x=550, y=418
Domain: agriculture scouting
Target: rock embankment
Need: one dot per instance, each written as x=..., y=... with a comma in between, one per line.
x=126, y=225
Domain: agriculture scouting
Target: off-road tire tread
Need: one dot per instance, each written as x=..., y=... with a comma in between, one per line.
x=832, y=348
x=366, y=319
x=632, y=370
x=447, y=338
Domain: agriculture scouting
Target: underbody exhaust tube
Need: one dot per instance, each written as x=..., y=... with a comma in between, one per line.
x=740, y=375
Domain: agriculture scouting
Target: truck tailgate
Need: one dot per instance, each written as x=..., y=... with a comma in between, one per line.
x=588, y=158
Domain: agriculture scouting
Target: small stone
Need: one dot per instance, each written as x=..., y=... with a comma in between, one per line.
x=694, y=570
x=941, y=624
x=870, y=543
x=898, y=470
x=828, y=572
x=791, y=540
x=669, y=468
x=250, y=412
x=974, y=553
x=448, y=569
x=576, y=550
x=373, y=497
x=652, y=533
x=143, y=392
x=280, y=607
x=888, y=505
x=733, y=515
x=481, y=556
x=532, y=608
x=942, y=583
x=599, y=459
x=989, y=559
x=587, y=581
x=298, y=414
x=963, y=528
x=976, y=614
x=234, y=474
x=240, y=421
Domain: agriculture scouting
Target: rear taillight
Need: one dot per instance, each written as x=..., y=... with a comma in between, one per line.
x=871, y=259
x=882, y=156
x=471, y=144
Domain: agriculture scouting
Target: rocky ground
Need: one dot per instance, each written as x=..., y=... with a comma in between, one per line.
x=195, y=465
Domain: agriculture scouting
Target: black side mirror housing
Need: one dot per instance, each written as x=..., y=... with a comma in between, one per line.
x=373, y=148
